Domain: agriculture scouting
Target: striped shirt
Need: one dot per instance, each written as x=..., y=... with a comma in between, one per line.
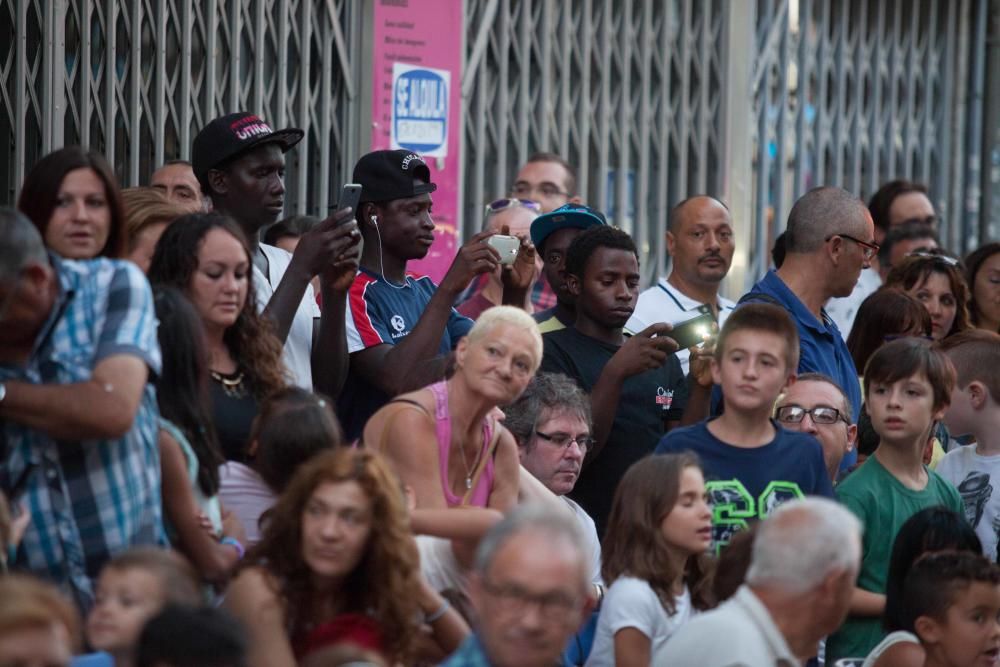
x=88, y=499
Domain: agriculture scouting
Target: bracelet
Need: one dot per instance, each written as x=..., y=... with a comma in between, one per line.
x=439, y=612
x=234, y=543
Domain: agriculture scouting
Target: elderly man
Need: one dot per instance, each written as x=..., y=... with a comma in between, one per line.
x=530, y=591
x=551, y=423
x=78, y=417
x=828, y=241
x=700, y=243
x=176, y=180
x=804, y=562
x=816, y=405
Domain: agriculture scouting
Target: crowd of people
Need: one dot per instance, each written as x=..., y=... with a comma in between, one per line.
x=228, y=439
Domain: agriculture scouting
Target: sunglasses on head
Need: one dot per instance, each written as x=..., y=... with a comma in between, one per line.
x=502, y=204
x=944, y=259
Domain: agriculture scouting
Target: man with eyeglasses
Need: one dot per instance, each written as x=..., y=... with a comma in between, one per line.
x=551, y=423
x=829, y=241
x=530, y=591
x=550, y=181
x=816, y=405
x=896, y=203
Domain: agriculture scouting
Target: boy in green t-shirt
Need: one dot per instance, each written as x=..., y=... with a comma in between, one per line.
x=908, y=388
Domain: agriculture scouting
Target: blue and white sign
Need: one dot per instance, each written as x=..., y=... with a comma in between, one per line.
x=420, y=109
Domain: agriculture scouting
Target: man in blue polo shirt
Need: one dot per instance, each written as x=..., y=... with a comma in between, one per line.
x=829, y=240
x=401, y=326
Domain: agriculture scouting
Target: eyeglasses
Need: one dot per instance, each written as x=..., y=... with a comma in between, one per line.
x=523, y=189
x=501, y=204
x=514, y=600
x=944, y=259
x=868, y=249
x=793, y=414
x=564, y=440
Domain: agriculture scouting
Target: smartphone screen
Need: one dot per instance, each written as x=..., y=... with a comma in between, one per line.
x=692, y=332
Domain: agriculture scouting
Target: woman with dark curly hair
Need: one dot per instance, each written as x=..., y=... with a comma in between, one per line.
x=72, y=196
x=937, y=282
x=982, y=271
x=337, y=563
x=206, y=256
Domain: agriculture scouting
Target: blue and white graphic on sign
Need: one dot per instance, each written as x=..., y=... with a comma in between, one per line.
x=420, y=109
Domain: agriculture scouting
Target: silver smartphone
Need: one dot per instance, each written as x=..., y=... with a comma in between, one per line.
x=505, y=245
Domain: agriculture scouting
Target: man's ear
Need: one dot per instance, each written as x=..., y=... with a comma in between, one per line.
x=716, y=371
x=38, y=278
x=792, y=377
x=671, y=243
x=852, y=437
x=573, y=284
x=575, y=200
x=218, y=181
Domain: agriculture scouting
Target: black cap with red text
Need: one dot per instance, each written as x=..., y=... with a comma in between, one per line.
x=233, y=134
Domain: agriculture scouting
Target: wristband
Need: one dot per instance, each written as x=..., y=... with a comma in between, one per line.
x=439, y=612
x=234, y=543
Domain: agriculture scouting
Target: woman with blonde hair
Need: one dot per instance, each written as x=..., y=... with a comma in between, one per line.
x=445, y=440
x=337, y=563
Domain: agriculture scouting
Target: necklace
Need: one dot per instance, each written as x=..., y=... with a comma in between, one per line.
x=232, y=385
x=475, y=464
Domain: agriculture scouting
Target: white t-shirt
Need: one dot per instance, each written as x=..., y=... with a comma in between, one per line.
x=439, y=566
x=977, y=479
x=298, y=345
x=665, y=303
x=589, y=534
x=842, y=310
x=631, y=603
x=891, y=639
x=244, y=493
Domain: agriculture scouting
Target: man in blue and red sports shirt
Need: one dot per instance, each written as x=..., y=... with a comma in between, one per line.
x=401, y=326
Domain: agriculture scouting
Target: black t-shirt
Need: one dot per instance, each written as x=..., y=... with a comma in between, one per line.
x=646, y=401
x=233, y=413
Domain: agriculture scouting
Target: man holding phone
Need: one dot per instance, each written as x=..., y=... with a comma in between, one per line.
x=240, y=164
x=700, y=243
x=401, y=326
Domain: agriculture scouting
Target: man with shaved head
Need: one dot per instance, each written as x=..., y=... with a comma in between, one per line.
x=701, y=244
x=830, y=238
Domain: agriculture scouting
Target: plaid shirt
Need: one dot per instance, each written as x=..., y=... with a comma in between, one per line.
x=89, y=499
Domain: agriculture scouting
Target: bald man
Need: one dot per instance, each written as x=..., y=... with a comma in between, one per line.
x=701, y=244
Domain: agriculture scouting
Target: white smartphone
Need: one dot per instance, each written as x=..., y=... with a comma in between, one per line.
x=505, y=245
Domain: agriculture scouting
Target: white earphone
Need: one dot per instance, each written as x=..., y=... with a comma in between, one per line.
x=375, y=220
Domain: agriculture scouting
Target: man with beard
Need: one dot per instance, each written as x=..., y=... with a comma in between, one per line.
x=700, y=242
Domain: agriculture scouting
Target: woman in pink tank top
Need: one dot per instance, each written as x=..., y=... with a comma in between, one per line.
x=445, y=440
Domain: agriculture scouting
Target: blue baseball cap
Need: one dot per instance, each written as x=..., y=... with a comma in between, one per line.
x=567, y=216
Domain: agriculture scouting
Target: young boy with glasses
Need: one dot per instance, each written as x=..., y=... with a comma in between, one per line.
x=751, y=463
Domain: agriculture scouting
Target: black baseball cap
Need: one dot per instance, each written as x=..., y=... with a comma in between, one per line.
x=575, y=216
x=388, y=175
x=230, y=135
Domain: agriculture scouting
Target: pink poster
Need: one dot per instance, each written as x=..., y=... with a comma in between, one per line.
x=416, y=103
